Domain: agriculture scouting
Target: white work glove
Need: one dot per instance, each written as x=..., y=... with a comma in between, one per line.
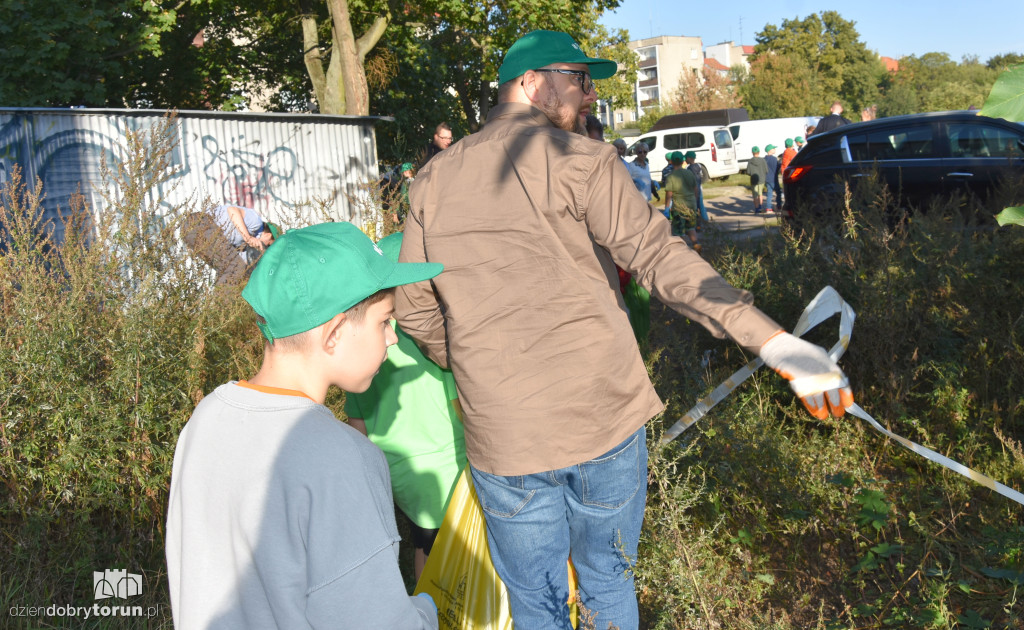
x=812, y=374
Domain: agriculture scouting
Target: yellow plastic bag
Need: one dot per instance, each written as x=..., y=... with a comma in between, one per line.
x=459, y=574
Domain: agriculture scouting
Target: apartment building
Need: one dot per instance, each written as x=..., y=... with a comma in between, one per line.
x=729, y=54
x=663, y=60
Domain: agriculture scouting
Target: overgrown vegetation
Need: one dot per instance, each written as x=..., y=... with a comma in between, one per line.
x=762, y=517
x=758, y=517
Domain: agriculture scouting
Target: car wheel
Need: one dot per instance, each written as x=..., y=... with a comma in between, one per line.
x=704, y=176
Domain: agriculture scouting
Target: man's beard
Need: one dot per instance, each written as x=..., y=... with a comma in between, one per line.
x=552, y=107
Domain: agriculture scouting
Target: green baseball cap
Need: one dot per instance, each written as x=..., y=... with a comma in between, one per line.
x=313, y=273
x=391, y=245
x=769, y=148
x=690, y=154
x=789, y=142
x=675, y=157
x=537, y=49
x=755, y=150
x=275, y=230
x=406, y=166
x=800, y=139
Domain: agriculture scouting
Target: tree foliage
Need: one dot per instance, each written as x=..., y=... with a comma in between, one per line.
x=471, y=38
x=1005, y=61
x=779, y=86
x=933, y=82
x=80, y=53
x=703, y=91
x=839, y=65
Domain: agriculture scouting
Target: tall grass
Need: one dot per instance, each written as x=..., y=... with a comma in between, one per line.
x=763, y=517
x=758, y=517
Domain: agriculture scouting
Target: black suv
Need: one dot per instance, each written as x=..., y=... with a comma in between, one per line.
x=919, y=157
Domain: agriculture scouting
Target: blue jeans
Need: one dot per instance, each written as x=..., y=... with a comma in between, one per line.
x=594, y=510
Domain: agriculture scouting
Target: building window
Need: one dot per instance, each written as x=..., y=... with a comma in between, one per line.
x=618, y=117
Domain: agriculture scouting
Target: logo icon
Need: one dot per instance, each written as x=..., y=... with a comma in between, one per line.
x=116, y=583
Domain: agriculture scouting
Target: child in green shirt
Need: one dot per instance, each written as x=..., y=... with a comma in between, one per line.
x=411, y=412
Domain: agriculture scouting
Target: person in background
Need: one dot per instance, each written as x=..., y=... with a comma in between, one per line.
x=833, y=120
x=773, y=194
x=230, y=239
x=787, y=155
x=401, y=208
x=698, y=172
x=640, y=169
x=668, y=168
x=553, y=386
x=757, y=169
x=799, y=143
x=442, y=140
x=681, y=200
x=411, y=411
x=620, y=149
x=595, y=129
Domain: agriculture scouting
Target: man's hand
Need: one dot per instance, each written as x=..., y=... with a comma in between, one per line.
x=812, y=374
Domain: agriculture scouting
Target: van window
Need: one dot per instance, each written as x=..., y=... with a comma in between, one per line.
x=694, y=141
x=651, y=142
x=723, y=139
x=735, y=131
x=675, y=141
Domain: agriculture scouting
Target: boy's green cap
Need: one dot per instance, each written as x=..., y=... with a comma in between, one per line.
x=406, y=166
x=311, y=274
x=275, y=230
x=769, y=147
x=789, y=142
x=800, y=139
x=755, y=150
x=690, y=154
x=675, y=157
x=537, y=49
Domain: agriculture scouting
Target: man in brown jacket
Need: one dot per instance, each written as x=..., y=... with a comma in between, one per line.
x=529, y=317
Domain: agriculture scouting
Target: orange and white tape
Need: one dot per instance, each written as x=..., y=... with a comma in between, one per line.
x=824, y=305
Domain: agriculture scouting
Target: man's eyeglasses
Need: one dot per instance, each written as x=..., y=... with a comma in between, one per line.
x=586, y=83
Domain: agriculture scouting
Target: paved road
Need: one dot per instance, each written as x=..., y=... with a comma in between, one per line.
x=732, y=208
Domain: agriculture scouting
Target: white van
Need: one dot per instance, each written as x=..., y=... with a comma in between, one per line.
x=760, y=133
x=713, y=146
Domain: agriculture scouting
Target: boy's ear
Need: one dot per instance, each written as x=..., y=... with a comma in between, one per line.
x=332, y=331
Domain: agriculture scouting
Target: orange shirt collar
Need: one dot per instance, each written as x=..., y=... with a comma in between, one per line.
x=273, y=390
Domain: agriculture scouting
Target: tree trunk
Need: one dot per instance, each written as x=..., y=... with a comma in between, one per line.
x=311, y=55
x=349, y=74
x=341, y=88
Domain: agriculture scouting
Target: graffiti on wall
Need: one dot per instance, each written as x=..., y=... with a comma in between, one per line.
x=228, y=162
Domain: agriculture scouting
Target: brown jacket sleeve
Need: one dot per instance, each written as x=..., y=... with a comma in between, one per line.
x=640, y=241
x=418, y=303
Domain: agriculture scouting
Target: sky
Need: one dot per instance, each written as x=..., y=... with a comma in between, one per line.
x=892, y=28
